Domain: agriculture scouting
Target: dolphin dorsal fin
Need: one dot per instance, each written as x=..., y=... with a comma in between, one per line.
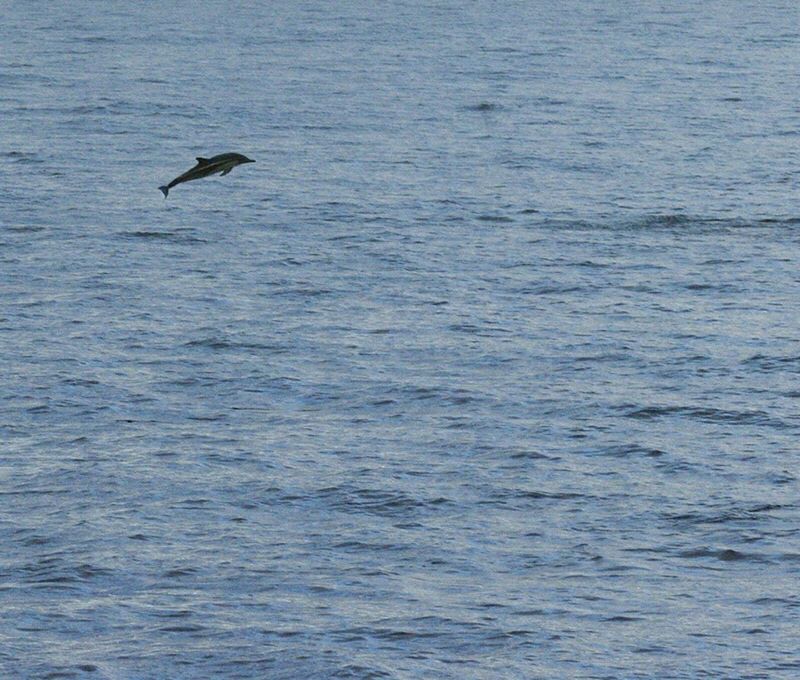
x=202, y=161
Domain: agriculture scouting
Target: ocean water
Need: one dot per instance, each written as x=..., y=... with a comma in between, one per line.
x=488, y=368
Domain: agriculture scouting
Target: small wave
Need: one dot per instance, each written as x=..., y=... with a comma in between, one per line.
x=483, y=107
x=51, y=571
x=779, y=221
x=24, y=228
x=188, y=628
x=668, y=221
x=381, y=502
x=768, y=364
x=86, y=109
x=755, y=514
x=548, y=289
x=94, y=39
x=524, y=454
x=723, y=555
x=179, y=573
x=678, y=222
x=500, y=219
x=304, y=292
x=66, y=672
x=22, y=157
x=625, y=450
x=709, y=415
x=442, y=395
x=544, y=495
x=354, y=670
x=479, y=331
x=220, y=343
x=172, y=236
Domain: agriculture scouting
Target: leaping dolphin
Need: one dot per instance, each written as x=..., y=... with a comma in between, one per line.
x=223, y=163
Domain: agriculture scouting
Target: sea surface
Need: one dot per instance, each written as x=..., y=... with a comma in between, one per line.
x=489, y=367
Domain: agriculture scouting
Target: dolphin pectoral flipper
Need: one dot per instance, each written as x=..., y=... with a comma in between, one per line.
x=225, y=172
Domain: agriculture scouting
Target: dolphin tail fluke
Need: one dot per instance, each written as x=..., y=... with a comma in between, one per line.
x=164, y=190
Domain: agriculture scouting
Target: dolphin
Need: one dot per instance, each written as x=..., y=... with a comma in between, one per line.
x=223, y=163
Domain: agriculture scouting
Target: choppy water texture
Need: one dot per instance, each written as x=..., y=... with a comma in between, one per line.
x=488, y=367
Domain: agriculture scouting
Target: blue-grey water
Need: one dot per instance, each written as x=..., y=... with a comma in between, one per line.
x=488, y=368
